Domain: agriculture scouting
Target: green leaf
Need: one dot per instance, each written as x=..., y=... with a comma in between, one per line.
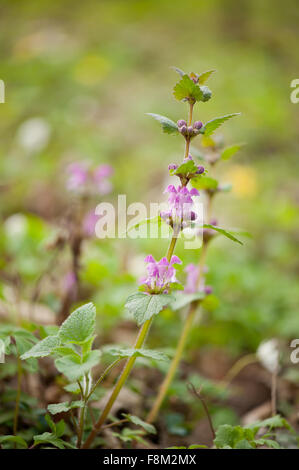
x=139, y=422
x=233, y=436
x=203, y=77
x=151, y=220
x=43, y=348
x=144, y=306
x=186, y=89
x=129, y=352
x=226, y=233
x=17, y=439
x=204, y=183
x=64, y=406
x=73, y=368
x=168, y=126
x=267, y=442
x=79, y=326
x=179, y=71
x=49, y=438
x=210, y=127
x=185, y=168
x=274, y=422
x=228, y=152
x=184, y=299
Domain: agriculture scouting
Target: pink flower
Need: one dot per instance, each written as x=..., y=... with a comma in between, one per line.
x=78, y=175
x=89, y=223
x=161, y=274
x=192, y=278
x=91, y=181
x=180, y=201
x=100, y=175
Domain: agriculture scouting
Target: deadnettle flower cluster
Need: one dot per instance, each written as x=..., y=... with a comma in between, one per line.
x=160, y=274
x=180, y=213
x=83, y=179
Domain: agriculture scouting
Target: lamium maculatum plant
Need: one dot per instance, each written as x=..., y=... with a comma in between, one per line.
x=71, y=344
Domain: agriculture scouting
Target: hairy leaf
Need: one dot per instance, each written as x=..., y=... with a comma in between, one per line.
x=144, y=306
x=186, y=89
x=210, y=127
x=129, y=352
x=139, y=422
x=203, y=77
x=226, y=233
x=44, y=348
x=228, y=152
x=73, y=369
x=168, y=126
x=16, y=439
x=184, y=299
x=204, y=183
x=64, y=406
x=79, y=326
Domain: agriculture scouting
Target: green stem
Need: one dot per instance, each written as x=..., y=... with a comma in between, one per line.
x=180, y=347
x=128, y=367
x=101, y=378
x=187, y=148
x=81, y=416
x=171, y=248
x=18, y=396
x=173, y=367
x=119, y=384
x=81, y=426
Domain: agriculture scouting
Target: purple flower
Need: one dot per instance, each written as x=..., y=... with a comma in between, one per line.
x=160, y=274
x=180, y=202
x=181, y=123
x=192, y=282
x=77, y=176
x=192, y=278
x=89, y=223
x=102, y=171
x=99, y=175
x=91, y=181
x=69, y=281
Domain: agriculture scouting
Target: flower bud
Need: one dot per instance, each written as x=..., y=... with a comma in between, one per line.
x=200, y=170
x=190, y=130
x=197, y=125
x=208, y=290
x=172, y=166
x=181, y=123
x=183, y=130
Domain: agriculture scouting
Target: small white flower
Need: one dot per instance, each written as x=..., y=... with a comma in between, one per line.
x=34, y=134
x=16, y=225
x=268, y=354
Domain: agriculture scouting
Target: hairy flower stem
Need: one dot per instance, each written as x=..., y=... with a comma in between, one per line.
x=180, y=347
x=127, y=369
x=187, y=147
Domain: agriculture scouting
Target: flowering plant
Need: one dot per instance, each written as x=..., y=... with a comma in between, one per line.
x=71, y=344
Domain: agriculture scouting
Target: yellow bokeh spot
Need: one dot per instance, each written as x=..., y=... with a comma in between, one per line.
x=244, y=180
x=91, y=69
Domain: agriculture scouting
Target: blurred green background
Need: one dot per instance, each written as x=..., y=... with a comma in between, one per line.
x=80, y=77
